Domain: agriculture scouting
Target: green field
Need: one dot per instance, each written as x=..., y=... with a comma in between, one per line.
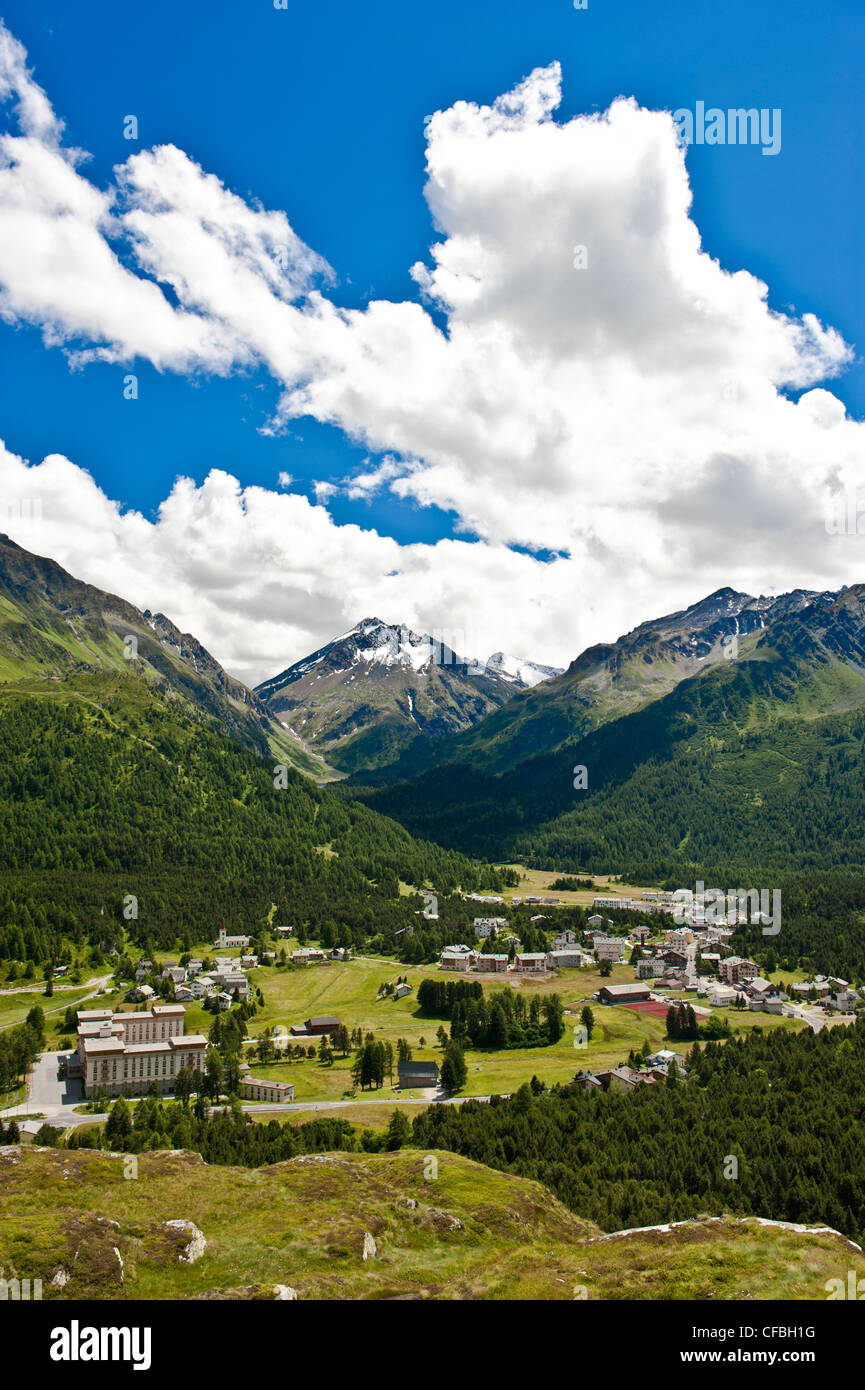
x=349, y=991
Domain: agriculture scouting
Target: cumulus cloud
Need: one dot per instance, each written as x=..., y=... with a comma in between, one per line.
x=602, y=388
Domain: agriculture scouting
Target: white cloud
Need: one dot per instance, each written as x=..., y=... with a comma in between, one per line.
x=638, y=415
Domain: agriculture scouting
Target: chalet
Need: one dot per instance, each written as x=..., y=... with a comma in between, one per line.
x=224, y=1000
x=402, y=990
x=322, y=1024
x=142, y=994
x=587, y=1082
x=735, y=970
x=422, y=1074
x=485, y=926
x=640, y=934
x=175, y=973
x=610, y=947
x=620, y=1078
x=843, y=999
x=571, y=959
x=624, y=994
x=819, y=988
x=497, y=964
x=565, y=938
x=183, y=995
x=194, y=968
x=529, y=962
x=674, y=959
x=307, y=955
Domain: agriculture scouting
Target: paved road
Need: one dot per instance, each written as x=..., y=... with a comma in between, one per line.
x=48, y=1096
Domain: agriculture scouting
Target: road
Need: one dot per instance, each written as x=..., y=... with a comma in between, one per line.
x=55, y=1099
x=60, y=1008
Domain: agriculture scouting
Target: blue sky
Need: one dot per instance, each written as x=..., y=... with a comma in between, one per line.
x=319, y=110
x=459, y=426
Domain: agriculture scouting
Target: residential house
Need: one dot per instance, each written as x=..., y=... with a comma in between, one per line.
x=307, y=955
x=142, y=994
x=650, y=969
x=736, y=970
x=530, y=962
x=497, y=964
x=485, y=926
x=572, y=959
x=610, y=947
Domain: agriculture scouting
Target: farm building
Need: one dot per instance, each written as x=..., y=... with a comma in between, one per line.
x=418, y=1073
x=624, y=994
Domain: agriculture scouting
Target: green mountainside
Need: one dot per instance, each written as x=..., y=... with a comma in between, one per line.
x=604, y=683
x=52, y=625
x=755, y=761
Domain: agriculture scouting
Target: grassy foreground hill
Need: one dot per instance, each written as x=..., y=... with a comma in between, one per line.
x=469, y=1233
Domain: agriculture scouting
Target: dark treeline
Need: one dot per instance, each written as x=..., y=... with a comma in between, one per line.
x=500, y=1019
x=788, y=1108
x=223, y=1135
x=437, y=997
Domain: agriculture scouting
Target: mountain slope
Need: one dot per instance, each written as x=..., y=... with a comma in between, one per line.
x=472, y=1234
x=52, y=624
x=368, y=695
x=757, y=760
x=605, y=682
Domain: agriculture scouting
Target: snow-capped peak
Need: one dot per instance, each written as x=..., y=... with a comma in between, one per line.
x=514, y=668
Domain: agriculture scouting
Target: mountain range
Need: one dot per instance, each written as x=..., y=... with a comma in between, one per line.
x=374, y=693
x=732, y=733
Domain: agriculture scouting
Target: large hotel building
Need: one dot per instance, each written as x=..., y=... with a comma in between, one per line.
x=126, y=1053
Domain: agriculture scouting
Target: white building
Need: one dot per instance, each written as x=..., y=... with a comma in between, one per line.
x=121, y=1053
x=225, y=942
x=485, y=926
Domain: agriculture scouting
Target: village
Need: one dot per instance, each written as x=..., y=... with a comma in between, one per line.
x=305, y=1009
